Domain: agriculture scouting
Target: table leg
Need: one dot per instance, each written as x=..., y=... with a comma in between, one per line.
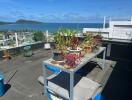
x=108, y=49
x=45, y=79
x=104, y=58
x=71, y=85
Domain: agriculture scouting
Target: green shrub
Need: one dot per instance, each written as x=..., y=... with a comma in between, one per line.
x=39, y=36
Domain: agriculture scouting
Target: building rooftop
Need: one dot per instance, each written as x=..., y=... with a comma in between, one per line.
x=21, y=75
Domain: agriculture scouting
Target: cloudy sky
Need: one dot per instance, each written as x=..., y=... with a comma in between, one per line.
x=64, y=10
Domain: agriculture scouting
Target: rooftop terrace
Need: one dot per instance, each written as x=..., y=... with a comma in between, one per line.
x=21, y=75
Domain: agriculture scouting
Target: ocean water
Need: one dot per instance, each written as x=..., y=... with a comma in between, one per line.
x=51, y=27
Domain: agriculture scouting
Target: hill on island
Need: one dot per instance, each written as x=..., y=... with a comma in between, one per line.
x=21, y=21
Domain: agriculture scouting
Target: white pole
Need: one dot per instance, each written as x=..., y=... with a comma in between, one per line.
x=16, y=39
x=109, y=21
x=131, y=19
x=47, y=45
x=47, y=34
x=4, y=40
x=104, y=22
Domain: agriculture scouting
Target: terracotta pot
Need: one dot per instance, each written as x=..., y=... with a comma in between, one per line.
x=88, y=49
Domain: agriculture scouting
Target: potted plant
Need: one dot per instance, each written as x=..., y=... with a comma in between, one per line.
x=74, y=45
x=67, y=33
x=87, y=44
x=74, y=42
x=96, y=42
x=6, y=55
x=27, y=52
x=58, y=54
x=70, y=60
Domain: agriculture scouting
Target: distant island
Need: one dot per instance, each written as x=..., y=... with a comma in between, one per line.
x=21, y=21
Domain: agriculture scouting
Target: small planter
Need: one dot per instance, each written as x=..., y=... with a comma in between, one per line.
x=88, y=49
x=95, y=49
x=58, y=56
x=76, y=51
x=73, y=47
x=6, y=55
x=28, y=54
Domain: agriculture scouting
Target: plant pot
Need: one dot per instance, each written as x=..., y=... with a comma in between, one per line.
x=95, y=49
x=58, y=56
x=73, y=48
x=88, y=49
x=28, y=54
x=76, y=51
